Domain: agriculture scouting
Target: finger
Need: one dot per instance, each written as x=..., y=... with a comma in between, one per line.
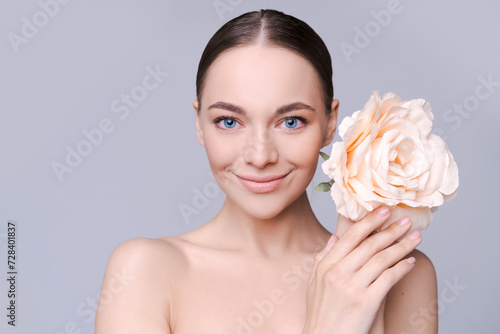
x=379, y=263
x=375, y=243
x=381, y=286
x=357, y=233
x=319, y=255
x=343, y=224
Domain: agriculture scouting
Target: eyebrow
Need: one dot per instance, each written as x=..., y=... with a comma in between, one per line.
x=281, y=110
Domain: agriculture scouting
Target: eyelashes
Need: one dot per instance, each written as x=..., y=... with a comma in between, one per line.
x=232, y=122
x=225, y=118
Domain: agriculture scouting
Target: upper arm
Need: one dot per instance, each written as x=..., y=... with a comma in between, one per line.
x=412, y=304
x=135, y=290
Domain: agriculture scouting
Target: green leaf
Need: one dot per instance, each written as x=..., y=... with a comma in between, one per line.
x=324, y=155
x=323, y=186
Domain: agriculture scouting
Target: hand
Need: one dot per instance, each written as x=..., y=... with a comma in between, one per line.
x=352, y=275
x=343, y=224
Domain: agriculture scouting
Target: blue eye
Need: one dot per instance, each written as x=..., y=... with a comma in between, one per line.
x=229, y=123
x=295, y=122
x=291, y=123
x=225, y=122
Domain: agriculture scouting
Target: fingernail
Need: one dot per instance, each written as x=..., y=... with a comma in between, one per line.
x=411, y=260
x=403, y=221
x=384, y=210
x=414, y=235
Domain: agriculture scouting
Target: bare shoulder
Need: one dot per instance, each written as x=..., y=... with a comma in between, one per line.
x=411, y=305
x=145, y=251
x=146, y=255
x=137, y=287
x=423, y=273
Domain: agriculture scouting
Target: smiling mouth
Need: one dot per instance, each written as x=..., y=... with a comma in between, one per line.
x=262, y=184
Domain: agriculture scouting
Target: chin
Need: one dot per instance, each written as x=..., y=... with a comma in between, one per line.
x=266, y=215
x=262, y=206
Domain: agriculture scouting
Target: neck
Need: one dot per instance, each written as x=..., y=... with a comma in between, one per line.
x=294, y=230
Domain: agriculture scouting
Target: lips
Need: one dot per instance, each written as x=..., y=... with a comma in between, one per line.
x=261, y=184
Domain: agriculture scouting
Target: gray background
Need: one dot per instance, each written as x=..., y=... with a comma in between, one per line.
x=64, y=78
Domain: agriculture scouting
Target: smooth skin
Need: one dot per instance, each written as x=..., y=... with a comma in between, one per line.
x=261, y=264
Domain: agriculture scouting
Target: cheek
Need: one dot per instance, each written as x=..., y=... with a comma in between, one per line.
x=218, y=149
x=221, y=153
x=303, y=150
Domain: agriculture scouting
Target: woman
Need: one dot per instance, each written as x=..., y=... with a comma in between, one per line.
x=265, y=264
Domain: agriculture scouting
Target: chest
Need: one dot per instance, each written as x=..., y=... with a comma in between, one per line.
x=235, y=298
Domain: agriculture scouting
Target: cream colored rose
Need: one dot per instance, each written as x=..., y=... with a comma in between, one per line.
x=389, y=156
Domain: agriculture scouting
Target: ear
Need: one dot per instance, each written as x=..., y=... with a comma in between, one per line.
x=199, y=132
x=331, y=124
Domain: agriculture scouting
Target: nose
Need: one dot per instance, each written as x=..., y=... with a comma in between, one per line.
x=260, y=149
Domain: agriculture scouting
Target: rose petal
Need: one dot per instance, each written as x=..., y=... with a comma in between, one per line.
x=450, y=184
x=389, y=156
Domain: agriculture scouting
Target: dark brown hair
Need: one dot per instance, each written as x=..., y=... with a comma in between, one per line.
x=273, y=28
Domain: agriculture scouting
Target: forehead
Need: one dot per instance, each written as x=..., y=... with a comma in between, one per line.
x=253, y=74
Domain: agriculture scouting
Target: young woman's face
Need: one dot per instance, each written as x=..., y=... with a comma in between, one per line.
x=263, y=118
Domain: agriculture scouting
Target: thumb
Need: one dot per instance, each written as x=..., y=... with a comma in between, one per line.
x=321, y=254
